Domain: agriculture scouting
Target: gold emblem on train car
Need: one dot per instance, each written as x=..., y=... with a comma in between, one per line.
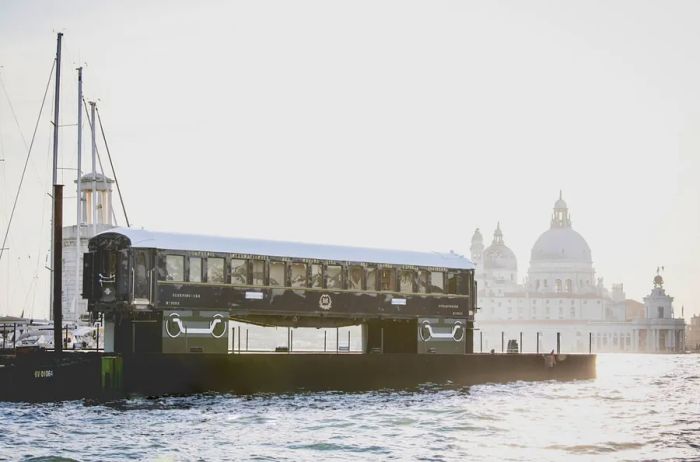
x=325, y=302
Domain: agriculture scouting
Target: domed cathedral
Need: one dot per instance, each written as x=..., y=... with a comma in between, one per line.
x=561, y=295
x=497, y=266
x=560, y=261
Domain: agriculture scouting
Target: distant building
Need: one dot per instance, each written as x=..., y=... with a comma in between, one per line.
x=692, y=333
x=97, y=190
x=561, y=294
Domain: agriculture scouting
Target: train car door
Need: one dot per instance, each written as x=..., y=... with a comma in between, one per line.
x=142, y=274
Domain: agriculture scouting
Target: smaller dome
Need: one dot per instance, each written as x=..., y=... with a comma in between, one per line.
x=99, y=177
x=658, y=280
x=498, y=255
x=477, y=237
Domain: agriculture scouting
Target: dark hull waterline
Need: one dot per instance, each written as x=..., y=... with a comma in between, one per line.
x=54, y=377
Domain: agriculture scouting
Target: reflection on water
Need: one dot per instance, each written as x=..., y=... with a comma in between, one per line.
x=639, y=407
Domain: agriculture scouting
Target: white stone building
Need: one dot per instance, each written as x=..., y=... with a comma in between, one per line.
x=97, y=190
x=561, y=300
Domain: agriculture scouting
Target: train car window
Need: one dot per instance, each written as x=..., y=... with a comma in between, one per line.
x=239, y=272
x=406, y=281
x=258, y=272
x=355, y=274
x=437, y=282
x=334, y=277
x=387, y=279
x=423, y=281
x=175, y=267
x=215, y=270
x=371, y=278
x=195, y=269
x=451, y=282
x=277, y=273
x=316, y=276
x=298, y=274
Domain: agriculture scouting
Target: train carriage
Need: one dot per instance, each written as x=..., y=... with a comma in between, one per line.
x=175, y=293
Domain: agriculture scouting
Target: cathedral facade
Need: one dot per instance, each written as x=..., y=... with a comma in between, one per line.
x=561, y=304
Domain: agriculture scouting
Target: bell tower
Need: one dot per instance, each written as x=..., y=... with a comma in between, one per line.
x=560, y=216
x=477, y=247
x=96, y=215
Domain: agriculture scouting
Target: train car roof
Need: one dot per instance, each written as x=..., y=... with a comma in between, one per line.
x=141, y=238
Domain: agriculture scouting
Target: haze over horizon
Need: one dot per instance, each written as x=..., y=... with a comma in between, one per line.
x=393, y=124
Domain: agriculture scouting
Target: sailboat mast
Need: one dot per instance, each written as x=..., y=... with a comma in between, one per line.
x=57, y=241
x=94, y=169
x=78, y=207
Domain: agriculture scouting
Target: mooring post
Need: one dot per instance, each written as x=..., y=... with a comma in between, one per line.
x=521, y=342
x=325, y=339
x=558, y=342
x=239, y=339
x=503, y=336
x=590, y=342
x=246, y=340
x=538, y=343
x=481, y=341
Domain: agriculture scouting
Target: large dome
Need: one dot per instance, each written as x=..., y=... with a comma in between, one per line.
x=561, y=244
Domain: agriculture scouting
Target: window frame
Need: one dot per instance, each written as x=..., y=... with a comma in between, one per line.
x=167, y=273
x=207, y=269
x=283, y=282
x=246, y=265
x=392, y=280
x=326, y=266
x=189, y=268
x=305, y=273
x=252, y=263
x=362, y=276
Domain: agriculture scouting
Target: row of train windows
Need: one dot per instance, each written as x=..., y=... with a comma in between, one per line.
x=301, y=275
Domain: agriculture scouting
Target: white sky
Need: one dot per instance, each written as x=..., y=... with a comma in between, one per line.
x=397, y=124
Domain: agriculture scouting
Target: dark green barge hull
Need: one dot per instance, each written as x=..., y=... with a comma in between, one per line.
x=45, y=376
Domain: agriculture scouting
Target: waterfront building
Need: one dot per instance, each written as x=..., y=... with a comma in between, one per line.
x=693, y=334
x=96, y=216
x=562, y=302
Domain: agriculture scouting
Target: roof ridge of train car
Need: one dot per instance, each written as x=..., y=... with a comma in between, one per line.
x=141, y=238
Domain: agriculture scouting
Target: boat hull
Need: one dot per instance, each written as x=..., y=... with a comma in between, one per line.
x=75, y=376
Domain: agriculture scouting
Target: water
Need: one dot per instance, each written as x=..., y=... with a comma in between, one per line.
x=640, y=407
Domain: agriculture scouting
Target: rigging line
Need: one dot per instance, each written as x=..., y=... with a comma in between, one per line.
x=109, y=156
x=26, y=162
x=12, y=110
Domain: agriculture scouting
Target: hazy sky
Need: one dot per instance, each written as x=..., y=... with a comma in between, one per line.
x=387, y=124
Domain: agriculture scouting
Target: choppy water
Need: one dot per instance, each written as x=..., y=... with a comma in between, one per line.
x=639, y=407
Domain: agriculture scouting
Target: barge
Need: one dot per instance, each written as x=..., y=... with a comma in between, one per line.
x=167, y=302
